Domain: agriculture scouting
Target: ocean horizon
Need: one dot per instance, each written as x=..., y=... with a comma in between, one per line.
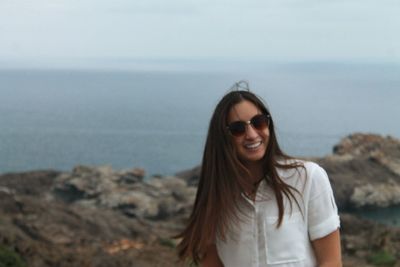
x=157, y=120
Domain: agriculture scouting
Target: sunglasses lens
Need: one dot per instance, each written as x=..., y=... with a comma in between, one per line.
x=260, y=122
x=237, y=128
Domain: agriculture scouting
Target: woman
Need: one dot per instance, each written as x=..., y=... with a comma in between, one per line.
x=256, y=206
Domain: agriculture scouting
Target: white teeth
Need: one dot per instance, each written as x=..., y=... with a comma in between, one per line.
x=253, y=146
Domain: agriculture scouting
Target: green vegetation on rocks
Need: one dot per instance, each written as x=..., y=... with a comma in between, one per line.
x=167, y=242
x=382, y=258
x=9, y=258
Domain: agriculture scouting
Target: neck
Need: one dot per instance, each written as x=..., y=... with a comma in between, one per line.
x=256, y=171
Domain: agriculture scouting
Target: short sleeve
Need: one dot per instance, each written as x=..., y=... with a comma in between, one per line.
x=323, y=217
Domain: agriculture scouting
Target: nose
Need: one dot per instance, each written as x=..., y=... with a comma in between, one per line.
x=251, y=133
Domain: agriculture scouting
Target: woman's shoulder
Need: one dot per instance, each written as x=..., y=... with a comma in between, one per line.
x=302, y=169
x=295, y=163
x=316, y=178
x=312, y=166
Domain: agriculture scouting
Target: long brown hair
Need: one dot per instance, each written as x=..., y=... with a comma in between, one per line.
x=224, y=179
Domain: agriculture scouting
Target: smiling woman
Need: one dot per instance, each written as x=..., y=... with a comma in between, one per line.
x=250, y=143
x=255, y=205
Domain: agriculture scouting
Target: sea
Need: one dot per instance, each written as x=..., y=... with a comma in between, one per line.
x=158, y=119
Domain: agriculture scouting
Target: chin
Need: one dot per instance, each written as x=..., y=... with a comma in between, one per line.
x=252, y=158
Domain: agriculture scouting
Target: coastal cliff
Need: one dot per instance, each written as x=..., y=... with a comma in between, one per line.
x=365, y=171
x=97, y=216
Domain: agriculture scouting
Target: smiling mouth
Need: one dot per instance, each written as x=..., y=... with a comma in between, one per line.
x=253, y=145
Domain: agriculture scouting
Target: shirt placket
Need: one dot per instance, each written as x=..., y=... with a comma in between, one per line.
x=255, y=235
x=259, y=227
x=253, y=232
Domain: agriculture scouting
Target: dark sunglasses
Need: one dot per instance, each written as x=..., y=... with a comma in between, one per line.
x=259, y=122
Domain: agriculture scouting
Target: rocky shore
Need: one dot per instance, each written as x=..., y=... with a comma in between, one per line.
x=97, y=216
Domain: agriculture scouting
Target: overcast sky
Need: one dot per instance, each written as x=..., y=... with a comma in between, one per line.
x=262, y=30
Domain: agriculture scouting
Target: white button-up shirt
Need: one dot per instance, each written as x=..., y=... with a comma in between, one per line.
x=254, y=241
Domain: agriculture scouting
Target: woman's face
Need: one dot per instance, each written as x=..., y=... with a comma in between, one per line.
x=252, y=145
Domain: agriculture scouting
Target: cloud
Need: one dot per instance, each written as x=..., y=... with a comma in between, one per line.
x=234, y=29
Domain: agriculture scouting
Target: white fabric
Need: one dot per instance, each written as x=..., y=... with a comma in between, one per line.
x=255, y=241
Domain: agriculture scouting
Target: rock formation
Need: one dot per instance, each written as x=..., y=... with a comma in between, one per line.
x=97, y=216
x=365, y=171
x=92, y=216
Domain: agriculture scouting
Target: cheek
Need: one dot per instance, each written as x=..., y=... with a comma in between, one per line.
x=265, y=134
x=237, y=142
